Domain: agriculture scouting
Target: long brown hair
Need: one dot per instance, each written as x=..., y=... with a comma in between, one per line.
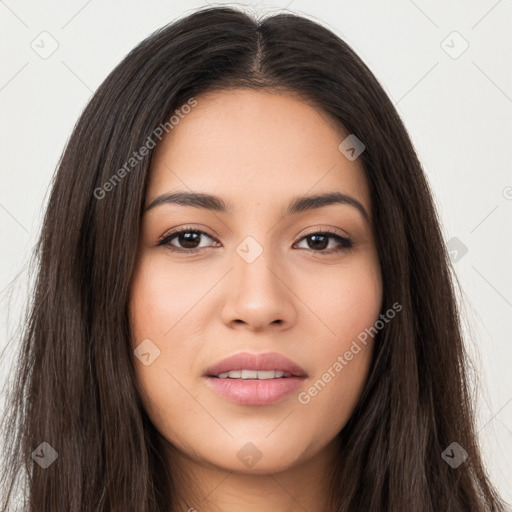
x=75, y=385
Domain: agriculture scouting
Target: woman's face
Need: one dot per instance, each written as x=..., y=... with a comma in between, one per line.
x=260, y=280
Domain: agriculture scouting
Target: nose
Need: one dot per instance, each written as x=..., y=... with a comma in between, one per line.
x=259, y=295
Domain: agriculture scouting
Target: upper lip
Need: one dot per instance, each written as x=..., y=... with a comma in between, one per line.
x=262, y=361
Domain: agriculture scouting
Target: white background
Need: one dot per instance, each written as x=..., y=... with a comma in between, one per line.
x=458, y=112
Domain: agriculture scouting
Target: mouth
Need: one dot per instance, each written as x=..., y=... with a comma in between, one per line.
x=254, y=374
x=255, y=379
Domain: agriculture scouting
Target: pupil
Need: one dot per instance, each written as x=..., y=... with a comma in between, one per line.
x=188, y=238
x=322, y=245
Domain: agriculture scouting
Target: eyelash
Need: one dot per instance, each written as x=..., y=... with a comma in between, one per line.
x=345, y=242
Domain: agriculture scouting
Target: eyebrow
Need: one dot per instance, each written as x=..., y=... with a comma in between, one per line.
x=216, y=204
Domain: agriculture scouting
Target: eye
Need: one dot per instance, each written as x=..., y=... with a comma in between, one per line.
x=189, y=240
x=319, y=241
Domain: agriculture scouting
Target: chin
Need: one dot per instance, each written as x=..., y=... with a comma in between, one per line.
x=257, y=456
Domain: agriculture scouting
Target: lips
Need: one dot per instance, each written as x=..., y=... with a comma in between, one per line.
x=255, y=379
x=268, y=361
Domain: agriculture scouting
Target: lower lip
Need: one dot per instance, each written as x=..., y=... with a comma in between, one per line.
x=255, y=391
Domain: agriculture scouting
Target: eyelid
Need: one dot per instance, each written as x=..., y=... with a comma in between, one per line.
x=192, y=228
x=332, y=231
x=346, y=241
x=176, y=231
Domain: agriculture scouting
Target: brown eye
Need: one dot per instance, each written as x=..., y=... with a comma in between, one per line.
x=185, y=240
x=190, y=240
x=319, y=242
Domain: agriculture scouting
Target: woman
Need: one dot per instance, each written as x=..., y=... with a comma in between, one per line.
x=244, y=299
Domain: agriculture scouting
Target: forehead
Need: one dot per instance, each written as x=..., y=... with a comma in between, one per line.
x=255, y=146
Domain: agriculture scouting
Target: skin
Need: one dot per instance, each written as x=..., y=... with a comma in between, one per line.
x=256, y=150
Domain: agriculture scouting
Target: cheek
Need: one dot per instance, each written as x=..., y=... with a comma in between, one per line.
x=162, y=296
x=346, y=302
x=357, y=305
x=348, y=306
x=164, y=309
x=154, y=309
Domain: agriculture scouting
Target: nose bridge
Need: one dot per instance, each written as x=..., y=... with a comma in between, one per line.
x=255, y=253
x=258, y=295
x=255, y=267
